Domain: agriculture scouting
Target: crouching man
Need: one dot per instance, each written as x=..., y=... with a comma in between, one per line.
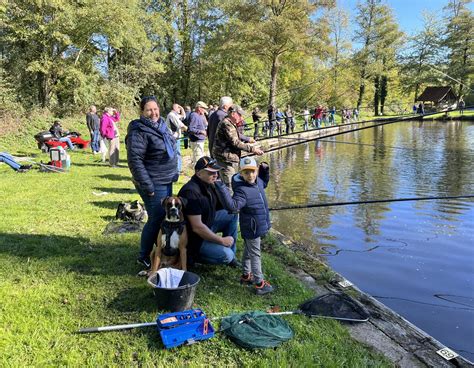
x=206, y=216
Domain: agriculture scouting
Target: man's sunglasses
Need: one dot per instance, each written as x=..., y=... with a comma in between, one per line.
x=210, y=163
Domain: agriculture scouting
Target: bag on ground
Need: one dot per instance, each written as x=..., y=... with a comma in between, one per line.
x=130, y=211
x=256, y=330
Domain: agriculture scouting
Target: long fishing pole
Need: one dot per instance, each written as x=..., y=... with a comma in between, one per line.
x=331, y=204
x=447, y=75
x=354, y=143
x=303, y=140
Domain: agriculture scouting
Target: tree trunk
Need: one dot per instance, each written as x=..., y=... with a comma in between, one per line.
x=376, y=94
x=383, y=93
x=463, y=71
x=273, y=81
x=361, y=88
x=43, y=89
x=186, y=51
x=417, y=88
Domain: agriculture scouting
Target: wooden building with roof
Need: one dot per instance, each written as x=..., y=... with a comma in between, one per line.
x=438, y=97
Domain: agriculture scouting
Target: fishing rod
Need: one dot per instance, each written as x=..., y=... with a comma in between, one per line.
x=447, y=75
x=329, y=135
x=354, y=143
x=332, y=204
x=383, y=122
x=367, y=144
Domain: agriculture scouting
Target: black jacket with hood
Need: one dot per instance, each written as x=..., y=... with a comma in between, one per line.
x=148, y=159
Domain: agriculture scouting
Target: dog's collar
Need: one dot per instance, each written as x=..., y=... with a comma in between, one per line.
x=169, y=227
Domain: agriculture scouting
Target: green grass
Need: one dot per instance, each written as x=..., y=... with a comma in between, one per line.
x=59, y=273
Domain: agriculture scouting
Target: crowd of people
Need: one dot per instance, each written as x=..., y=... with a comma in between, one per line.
x=219, y=189
x=225, y=188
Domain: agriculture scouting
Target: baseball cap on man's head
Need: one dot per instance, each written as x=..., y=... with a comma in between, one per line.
x=207, y=163
x=201, y=104
x=248, y=163
x=237, y=109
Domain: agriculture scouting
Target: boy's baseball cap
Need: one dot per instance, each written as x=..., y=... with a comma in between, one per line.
x=248, y=163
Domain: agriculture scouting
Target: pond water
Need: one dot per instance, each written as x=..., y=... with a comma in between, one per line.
x=416, y=257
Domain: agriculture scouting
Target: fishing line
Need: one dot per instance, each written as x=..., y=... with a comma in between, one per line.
x=388, y=121
x=447, y=75
x=303, y=140
x=355, y=143
x=367, y=144
x=444, y=297
x=330, y=254
x=423, y=303
x=315, y=205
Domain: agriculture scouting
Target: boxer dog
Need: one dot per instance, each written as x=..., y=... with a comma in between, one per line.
x=170, y=250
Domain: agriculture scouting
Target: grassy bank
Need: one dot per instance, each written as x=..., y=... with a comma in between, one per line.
x=58, y=273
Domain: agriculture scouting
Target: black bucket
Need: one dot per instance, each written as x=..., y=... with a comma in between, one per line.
x=175, y=299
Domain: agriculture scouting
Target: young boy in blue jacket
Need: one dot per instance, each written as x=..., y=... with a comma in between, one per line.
x=249, y=198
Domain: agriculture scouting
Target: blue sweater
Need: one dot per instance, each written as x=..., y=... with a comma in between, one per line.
x=148, y=160
x=252, y=203
x=197, y=123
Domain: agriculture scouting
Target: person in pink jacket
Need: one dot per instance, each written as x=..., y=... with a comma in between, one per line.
x=109, y=131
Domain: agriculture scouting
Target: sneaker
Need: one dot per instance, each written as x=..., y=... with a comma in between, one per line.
x=246, y=279
x=263, y=288
x=26, y=167
x=144, y=262
x=234, y=264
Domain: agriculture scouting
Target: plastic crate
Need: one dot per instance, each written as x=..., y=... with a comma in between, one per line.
x=185, y=327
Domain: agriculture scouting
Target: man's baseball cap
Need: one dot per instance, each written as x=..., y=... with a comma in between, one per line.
x=237, y=109
x=248, y=163
x=201, y=104
x=207, y=163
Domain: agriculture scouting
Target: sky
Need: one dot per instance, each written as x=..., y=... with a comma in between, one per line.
x=407, y=12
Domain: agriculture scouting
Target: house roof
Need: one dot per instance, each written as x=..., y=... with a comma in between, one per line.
x=437, y=94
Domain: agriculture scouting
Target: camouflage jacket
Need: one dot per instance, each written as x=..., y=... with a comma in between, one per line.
x=227, y=144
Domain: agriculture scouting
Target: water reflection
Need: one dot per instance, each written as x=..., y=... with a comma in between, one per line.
x=416, y=251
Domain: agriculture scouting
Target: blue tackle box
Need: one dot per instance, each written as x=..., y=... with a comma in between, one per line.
x=186, y=327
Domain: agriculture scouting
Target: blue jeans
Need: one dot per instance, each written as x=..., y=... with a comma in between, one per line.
x=9, y=160
x=95, y=141
x=68, y=142
x=156, y=214
x=178, y=152
x=214, y=253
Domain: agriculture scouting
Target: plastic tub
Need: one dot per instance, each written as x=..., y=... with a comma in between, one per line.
x=175, y=299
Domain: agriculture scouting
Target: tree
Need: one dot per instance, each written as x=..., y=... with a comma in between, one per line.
x=64, y=53
x=385, y=48
x=274, y=28
x=342, y=82
x=459, y=41
x=424, y=49
x=378, y=33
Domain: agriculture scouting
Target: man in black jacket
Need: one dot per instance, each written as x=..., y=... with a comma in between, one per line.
x=93, y=124
x=214, y=120
x=206, y=217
